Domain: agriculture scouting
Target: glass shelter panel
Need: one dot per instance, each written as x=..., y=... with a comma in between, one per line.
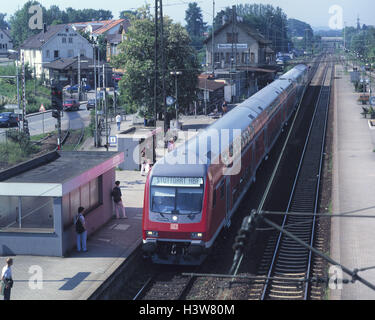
x=26, y=213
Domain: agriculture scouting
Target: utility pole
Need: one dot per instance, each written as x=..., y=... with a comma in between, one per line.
x=106, y=110
x=163, y=65
x=213, y=38
x=156, y=61
x=79, y=77
x=25, y=127
x=160, y=21
x=96, y=101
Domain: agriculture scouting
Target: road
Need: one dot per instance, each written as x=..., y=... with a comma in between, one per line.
x=44, y=123
x=70, y=120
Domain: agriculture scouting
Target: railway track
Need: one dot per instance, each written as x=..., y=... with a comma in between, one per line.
x=165, y=286
x=285, y=262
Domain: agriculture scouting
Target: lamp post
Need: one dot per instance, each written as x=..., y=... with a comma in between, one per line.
x=96, y=102
x=176, y=74
x=17, y=75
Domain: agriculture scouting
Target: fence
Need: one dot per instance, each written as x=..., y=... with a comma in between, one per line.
x=3, y=137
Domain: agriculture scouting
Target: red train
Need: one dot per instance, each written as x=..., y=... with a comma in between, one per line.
x=193, y=192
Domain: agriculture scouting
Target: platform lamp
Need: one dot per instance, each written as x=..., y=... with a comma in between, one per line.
x=176, y=74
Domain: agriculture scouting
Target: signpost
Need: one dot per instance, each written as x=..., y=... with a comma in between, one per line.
x=112, y=141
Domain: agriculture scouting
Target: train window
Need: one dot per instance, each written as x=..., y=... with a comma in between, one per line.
x=176, y=200
x=222, y=190
x=163, y=199
x=189, y=200
x=214, y=199
x=251, y=117
x=260, y=108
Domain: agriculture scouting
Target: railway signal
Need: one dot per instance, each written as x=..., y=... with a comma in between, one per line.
x=56, y=98
x=57, y=107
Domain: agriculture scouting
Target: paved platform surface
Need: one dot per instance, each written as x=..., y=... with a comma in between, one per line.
x=353, y=239
x=79, y=275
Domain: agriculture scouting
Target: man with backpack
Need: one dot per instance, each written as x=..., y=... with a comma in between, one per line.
x=81, y=230
x=117, y=199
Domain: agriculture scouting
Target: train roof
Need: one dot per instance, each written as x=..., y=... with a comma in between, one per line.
x=190, y=158
x=294, y=73
x=265, y=97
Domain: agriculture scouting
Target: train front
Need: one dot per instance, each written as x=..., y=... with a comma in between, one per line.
x=174, y=214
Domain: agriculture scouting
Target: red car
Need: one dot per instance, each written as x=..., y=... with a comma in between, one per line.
x=71, y=105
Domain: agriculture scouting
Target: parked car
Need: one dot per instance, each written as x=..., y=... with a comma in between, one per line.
x=71, y=105
x=8, y=119
x=74, y=88
x=90, y=104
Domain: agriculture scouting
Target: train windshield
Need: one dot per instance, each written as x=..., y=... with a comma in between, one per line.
x=177, y=199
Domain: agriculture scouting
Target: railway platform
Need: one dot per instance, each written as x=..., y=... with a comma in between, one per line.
x=79, y=276
x=352, y=239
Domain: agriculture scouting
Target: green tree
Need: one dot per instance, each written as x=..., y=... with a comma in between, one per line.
x=195, y=25
x=269, y=21
x=19, y=23
x=3, y=23
x=137, y=58
x=129, y=14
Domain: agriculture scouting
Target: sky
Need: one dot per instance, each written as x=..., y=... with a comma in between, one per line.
x=314, y=12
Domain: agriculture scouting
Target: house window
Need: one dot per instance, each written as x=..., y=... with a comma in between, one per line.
x=252, y=57
x=232, y=37
x=47, y=54
x=56, y=54
x=227, y=57
x=1, y=36
x=63, y=40
x=70, y=53
x=217, y=57
x=70, y=40
x=82, y=52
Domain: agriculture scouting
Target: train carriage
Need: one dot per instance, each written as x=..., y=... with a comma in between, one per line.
x=192, y=193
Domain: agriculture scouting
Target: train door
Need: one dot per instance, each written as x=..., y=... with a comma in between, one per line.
x=228, y=198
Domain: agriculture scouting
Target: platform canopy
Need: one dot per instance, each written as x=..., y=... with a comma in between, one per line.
x=63, y=173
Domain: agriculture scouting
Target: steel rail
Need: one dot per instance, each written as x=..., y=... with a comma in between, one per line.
x=293, y=195
x=266, y=193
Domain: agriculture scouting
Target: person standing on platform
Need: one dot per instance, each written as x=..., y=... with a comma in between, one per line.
x=118, y=121
x=81, y=231
x=6, y=279
x=117, y=199
x=224, y=107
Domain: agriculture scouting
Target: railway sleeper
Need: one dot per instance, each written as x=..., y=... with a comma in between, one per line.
x=282, y=296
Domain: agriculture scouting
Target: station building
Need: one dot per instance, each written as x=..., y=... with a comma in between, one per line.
x=39, y=200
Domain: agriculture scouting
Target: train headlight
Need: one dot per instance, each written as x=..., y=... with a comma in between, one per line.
x=153, y=234
x=196, y=235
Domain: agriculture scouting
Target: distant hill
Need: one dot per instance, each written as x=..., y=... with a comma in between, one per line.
x=297, y=28
x=327, y=32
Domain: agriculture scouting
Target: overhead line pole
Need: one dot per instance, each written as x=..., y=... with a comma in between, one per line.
x=163, y=66
x=213, y=37
x=156, y=60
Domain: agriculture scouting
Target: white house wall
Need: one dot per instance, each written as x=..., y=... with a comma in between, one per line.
x=46, y=53
x=5, y=42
